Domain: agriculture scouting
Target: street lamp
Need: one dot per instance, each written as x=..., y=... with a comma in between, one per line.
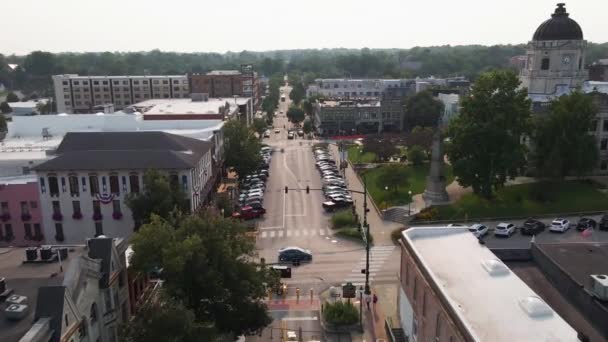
x=410, y=202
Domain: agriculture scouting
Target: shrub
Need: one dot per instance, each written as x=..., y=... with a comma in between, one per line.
x=396, y=234
x=416, y=155
x=355, y=234
x=427, y=214
x=340, y=313
x=342, y=219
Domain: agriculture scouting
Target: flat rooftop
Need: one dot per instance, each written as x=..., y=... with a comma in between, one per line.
x=187, y=106
x=351, y=103
x=489, y=299
x=108, y=77
x=25, y=279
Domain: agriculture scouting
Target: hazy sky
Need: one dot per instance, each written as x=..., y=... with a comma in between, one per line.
x=235, y=25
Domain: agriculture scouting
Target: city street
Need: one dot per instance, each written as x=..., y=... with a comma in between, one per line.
x=297, y=219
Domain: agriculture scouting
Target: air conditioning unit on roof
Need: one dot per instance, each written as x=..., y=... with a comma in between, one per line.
x=599, y=286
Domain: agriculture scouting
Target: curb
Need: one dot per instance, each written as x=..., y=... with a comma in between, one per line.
x=473, y=220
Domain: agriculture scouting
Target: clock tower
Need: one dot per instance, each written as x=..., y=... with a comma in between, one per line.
x=555, y=58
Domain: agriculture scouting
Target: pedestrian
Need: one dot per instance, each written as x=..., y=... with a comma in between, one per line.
x=375, y=299
x=367, y=300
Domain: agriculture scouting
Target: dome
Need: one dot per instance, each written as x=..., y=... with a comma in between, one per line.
x=559, y=27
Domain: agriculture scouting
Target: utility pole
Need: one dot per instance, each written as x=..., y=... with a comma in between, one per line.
x=366, y=227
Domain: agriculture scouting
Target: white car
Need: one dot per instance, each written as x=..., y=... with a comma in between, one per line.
x=559, y=225
x=267, y=134
x=277, y=131
x=504, y=229
x=478, y=230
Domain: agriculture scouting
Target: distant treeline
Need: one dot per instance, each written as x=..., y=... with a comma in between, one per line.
x=468, y=61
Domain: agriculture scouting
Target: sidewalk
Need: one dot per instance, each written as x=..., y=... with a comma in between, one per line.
x=373, y=319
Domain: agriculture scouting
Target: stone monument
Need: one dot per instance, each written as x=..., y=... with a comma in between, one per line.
x=435, y=183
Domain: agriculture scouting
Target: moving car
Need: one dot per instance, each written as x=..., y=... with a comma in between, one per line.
x=585, y=223
x=479, y=230
x=294, y=254
x=504, y=229
x=559, y=225
x=248, y=213
x=284, y=271
x=277, y=131
x=603, y=225
x=532, y=227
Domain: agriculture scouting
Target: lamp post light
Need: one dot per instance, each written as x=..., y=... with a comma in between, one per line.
x=410, y=202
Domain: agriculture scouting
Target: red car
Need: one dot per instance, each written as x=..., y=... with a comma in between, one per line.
x=248, y=213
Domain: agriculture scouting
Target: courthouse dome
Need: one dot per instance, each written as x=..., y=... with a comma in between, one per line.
x=559, y=27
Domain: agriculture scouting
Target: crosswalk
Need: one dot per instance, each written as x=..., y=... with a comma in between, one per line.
x=377, y=257
x=283, y=233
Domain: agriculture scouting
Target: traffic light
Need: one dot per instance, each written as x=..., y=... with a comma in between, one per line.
x=286, y=189
x=307, y=189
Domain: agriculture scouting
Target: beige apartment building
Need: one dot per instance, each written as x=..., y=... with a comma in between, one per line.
x=87, y=94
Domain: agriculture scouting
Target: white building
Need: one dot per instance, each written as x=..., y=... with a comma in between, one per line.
x=26, y=107
x=454, y=288
x=83, y=94
x=352, y=88
x=451, y=106
x=84, y=187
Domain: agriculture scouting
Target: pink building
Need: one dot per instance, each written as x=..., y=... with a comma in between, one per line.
x=20, y=218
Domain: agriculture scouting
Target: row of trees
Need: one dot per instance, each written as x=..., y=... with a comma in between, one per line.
x=496, y=138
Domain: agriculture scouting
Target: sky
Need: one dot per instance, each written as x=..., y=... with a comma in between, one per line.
x=236, y=25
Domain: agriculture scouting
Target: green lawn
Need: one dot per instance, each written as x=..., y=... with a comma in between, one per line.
x=402, y=179
x=529, y=200
x=357, y=157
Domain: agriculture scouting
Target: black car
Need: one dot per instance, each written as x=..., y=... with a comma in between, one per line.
x=532, y=227
x=585, y=223
x=294, y=254
x=604, y=222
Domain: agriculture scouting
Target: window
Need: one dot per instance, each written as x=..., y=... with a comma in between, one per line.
x=28, y=231
x=605, y=126
x=85, y=82
x=108, y=299
x=37, y=231
x=144, y=82
x=437, y=327
x=604, y=144
x=74, y=189
x=544, y=64
x=93, y=313
x=66, y=319
x=95, y=82
x=76, y=83
x=96, y=208
x=135, y=82
x=25, y=210
x=56, y=208
x=414, y=328
x=116, y=206
x=415, y=289
x=173, y=180
x=84, y=184
x=424, y=304
x=76, y=208
x=165, y=82
x=104, y=186
x=124, y=184
x=116, y=82
x=604, y=165
x=105, y=83
x=65, y=82
x=185, y=182
x=114, y=186
x=94, y=184
x=59, y=232
x=98, y=228
x=33, y=204
x=53, y=186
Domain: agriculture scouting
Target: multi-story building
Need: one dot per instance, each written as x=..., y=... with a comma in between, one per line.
x=598, y=70
x=54, y=295
x=84, y=187
x=20, y=217
x=468, y=293
x=228, y=83
x=85, y=94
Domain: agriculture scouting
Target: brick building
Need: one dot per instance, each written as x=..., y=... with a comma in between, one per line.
x=227, y=83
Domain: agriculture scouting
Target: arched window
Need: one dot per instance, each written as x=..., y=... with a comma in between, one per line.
x=114, y=186
x=74, y=189
x=93, y=314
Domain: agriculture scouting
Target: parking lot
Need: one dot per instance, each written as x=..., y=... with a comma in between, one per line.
x=518, y=240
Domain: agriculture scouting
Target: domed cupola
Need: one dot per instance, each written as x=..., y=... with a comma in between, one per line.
x=559, y=27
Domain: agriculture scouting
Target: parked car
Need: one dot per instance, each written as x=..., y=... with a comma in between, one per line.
x=504, y=229
x=559, y=225
x=455, y=225
x=603, y=224
x=532, y=227
x=267, y=134
x=277, y=131
x=248, y=213
x=294, y=254
x=479, y=230
x=300, y=132
x=585, y=223
x=329, y=206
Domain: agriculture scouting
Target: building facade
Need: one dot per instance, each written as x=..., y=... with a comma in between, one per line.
x=598, y=71
x=86, y=94
x=347, y=88
x=20, y=216
x=228, y=83
x=358, y=116
x=83, y=189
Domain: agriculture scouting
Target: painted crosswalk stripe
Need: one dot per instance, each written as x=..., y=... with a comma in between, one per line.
x=313, y=232
x=321, y=232
x=280, y=232
x=304, y=232
x=288, y=233
x=272, y=234
x=263, y=235
x=296, y=233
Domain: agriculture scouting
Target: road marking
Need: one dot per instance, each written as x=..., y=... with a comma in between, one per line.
x=296, y=233
x=280, y=232
x=321, y=232
x=311, y=318
x=313, y=232
x=272, y=234
x=304, y=232
x=270, y=228
x=263, y=235
x=288, y=233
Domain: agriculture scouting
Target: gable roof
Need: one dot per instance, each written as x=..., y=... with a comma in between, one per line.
x=50, y=304
x=101, y=248
x=126, y=150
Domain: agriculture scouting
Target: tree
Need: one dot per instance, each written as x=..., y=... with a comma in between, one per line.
x=307, y=126
x=562, y=143
x=207, y=262
x=295, y=114
x=297, y=92
x=416, y=155
x=423, y=110
x=5, y=108
x=259, y=126
x=308, y=107
x=241, y=148
x=12, y=97
x=392, y=176
x=40, y=63
x=158, y=197
x=379, y=146
x=486, y=145
x=165, y=320
x=420, y=136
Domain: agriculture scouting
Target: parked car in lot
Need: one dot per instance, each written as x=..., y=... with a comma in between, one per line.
x=479, y=230
x=603, y=224
x=532, y=227
x=267, y=134
x=504, y=229
x=277, y=131
x=248, y=213
x=559, y=225
x=585, y=223
x=290, y=136
x=294, y=254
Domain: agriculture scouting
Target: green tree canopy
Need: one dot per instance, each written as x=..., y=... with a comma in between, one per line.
x=259, y=126
x=40, y=63
x=307, y=126
x=295, y=114
x=422, y=109
x=298, y=92
x=207, y=262
x=241, y=148
x=379, y=146
x=307, y=106
x=562, y=141
x=158, y=197
x=5, y=108
x=486, y=146
x=416, y=155
x=12, y=97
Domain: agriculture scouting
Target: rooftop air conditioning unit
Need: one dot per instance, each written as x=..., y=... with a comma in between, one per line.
x=17, y=299
x=16, y=311
x=599, y=286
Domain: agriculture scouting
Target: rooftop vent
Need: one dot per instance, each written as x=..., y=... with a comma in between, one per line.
x=16, y=311
x=495, y=267
x=17, y=299
x=599, y=286
x=535, y=307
